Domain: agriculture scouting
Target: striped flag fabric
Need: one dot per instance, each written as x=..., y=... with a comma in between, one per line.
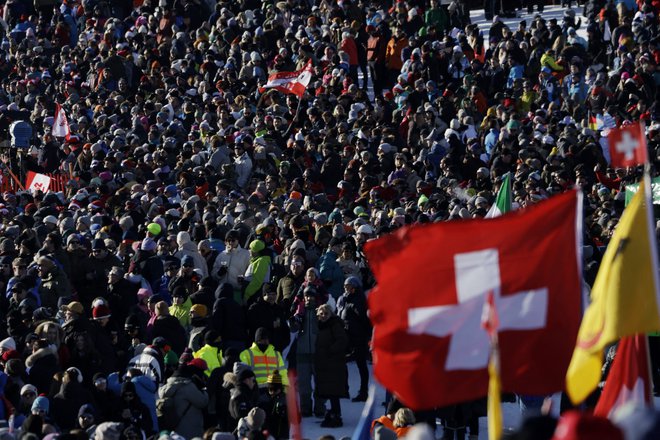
x=291, y=82
x=60, y=124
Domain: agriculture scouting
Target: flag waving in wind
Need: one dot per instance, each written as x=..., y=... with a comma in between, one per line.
x=629, y=379
x=437, y=338
x=624, y=295
x=502, y=203
x=291, y=82
x=60, y=124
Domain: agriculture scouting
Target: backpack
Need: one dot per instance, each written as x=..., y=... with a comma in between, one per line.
x=166, y=412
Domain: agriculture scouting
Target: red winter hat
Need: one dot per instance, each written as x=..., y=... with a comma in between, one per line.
x=10, y=354
x=198, y=363
x=575, y=425
x=101, y=311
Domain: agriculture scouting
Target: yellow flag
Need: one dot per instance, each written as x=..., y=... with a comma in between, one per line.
x=624, y=296
x=494, y=404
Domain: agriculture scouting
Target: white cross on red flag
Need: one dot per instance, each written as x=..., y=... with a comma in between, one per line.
x=628, y=145
x=430, y=346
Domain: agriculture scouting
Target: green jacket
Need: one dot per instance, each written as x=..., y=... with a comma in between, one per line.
x=182, y=312
x=258, y=273
x=436, y=17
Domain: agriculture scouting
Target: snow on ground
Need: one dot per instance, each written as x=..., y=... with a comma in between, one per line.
x=351, y=412
x=477, y=16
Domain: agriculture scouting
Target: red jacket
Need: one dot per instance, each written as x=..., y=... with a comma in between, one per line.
x=348, y=46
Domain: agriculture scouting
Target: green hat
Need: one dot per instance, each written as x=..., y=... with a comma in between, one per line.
x=257, y=246
x=154, y=228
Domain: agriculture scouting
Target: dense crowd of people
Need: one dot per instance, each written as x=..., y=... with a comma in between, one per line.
x=210, y=235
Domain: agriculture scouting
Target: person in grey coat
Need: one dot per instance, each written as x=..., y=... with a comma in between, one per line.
x=186, y=386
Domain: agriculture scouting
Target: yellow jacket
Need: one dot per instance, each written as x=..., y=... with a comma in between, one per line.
x=264, y=363
x=211, y=355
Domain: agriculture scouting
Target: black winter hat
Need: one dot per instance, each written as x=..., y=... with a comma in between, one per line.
x=260, y=334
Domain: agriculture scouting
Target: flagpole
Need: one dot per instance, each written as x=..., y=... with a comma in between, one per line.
x=648, y=199
x=649, y=386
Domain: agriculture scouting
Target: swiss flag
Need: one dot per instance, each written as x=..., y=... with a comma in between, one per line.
x=429, y=346
x=627, y=145
x=629, y=379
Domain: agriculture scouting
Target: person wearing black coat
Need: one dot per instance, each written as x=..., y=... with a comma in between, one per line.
x=268, y=314
x=43, y=365
x=169, y=328
x=131, y=411
x=228, y=318
x=205, y=293
x=330, y=364
x=243, y=395
x=65, y=404
x=219, y=388
x=352, y=309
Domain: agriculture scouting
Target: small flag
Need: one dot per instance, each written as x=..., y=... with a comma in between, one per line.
x=628, y=145
x=37, y=182
x=60, y=124
x=502, y=203
x=624, y=295
x=629, y=379
x=291, y=82
x=363, y=428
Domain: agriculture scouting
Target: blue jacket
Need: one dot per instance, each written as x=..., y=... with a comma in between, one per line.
x=146, y=390
x=331, y=272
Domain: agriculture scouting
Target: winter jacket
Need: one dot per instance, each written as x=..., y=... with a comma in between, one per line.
x=243, y=168
x=65, y=404
x=258, y=273
x=331, y=273
x=148, y=362
x=187, y=247
x=146, y=390
x=331, y=373
x=264, y=314
x=228, y=317
x=182, y=312
x=189, y=402
x=211, y=355
x=307, y=327
x=264, y=363
x=352, y=309
x=242, y=400
x=169, y=328
x=236, y=261
x=42, y=366
x=393, y=53
x=54, y=285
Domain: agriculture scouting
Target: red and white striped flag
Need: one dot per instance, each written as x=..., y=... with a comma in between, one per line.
x=60, y=124
x=291, y=82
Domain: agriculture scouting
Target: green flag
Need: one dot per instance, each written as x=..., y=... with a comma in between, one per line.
x=503, y=201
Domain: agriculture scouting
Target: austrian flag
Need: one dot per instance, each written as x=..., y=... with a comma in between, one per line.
x=60, y=124
x=291, y=82
x=430, y=348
